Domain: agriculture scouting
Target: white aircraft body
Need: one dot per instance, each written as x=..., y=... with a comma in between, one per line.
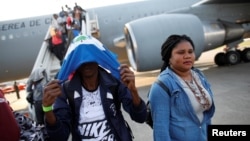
x=135, y=31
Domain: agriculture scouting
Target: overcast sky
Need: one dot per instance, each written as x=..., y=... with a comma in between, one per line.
x=15, y=9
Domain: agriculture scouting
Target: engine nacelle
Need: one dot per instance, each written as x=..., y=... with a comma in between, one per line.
x=218, y=33
x=145, y=37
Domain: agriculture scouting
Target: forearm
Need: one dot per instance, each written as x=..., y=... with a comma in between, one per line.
x=135, y=96
x=50, y=118
x=58, y=125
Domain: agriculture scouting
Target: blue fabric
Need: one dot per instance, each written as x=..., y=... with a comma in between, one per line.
x=173, y=116
x=75, y=32
x=85, y=49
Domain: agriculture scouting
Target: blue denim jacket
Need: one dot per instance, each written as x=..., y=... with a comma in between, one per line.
x=61, y=130
x=173, y=116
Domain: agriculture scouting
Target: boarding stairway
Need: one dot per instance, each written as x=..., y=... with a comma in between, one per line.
x=46, y=59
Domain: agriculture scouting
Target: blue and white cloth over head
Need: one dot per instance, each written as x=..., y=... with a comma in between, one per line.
x=85, y=49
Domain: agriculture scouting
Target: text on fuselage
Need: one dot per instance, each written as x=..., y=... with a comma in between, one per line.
x=25, y=24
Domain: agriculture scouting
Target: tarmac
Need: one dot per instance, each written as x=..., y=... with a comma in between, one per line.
x=230, y=85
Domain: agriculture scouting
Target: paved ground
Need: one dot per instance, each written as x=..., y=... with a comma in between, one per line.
x=231, y=87
x=230, y=84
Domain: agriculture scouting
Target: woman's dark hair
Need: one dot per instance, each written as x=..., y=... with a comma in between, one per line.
x=169, y=44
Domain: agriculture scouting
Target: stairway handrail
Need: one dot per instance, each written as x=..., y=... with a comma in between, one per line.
x=41, y=57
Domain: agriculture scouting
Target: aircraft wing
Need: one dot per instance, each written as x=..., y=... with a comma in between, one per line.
x=203, y=2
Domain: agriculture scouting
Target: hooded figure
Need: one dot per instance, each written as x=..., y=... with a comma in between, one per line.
x=37, y=80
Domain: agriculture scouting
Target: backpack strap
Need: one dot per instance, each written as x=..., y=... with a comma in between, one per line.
x=165, y=88
x=114, y=91
x=149, y=119
x=70, y=96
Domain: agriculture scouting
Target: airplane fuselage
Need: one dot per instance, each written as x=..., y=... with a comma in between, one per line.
x=21, y=39
x=20, y=42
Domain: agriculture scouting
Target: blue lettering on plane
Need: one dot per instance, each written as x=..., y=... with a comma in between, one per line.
x=10, y=26
x=48, y=20
x=35, y=23
x=22, y=25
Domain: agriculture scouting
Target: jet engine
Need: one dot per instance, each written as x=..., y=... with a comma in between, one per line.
x=145, y=36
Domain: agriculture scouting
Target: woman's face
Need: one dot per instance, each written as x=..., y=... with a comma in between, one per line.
x=182, y=56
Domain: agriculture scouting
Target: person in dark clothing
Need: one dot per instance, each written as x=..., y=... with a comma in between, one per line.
x=37, y=80
x=94, y=110
x=16, y=90
x=58, y=44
